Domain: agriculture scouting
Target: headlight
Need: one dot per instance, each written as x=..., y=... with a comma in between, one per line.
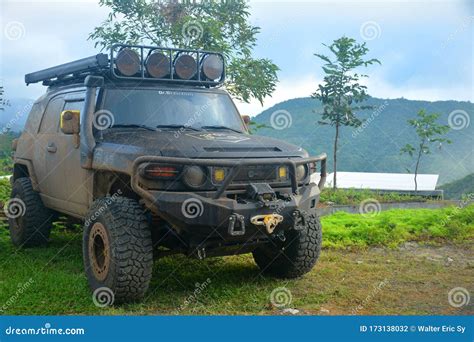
x=127, y=62
x=300, y=173
x=194, y=176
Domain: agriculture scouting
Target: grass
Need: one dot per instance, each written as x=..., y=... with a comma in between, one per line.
x=393, y=227
x=5, y=190
x=355, y=196
x=51, y=280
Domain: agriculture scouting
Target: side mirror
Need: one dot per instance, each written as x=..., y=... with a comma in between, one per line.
x=246, y=119
x=70, y=121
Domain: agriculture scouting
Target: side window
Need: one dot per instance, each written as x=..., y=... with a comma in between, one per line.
x=34, y=118
x=74, y=105
x=50, y=121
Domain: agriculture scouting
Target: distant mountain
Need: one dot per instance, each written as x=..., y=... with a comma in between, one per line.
x=375, y=147
x=455, y=189
x=15, y=114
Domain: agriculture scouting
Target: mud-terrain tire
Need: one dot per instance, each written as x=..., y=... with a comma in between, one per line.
x=117, y=249
x=28, y=219
x=296, y=255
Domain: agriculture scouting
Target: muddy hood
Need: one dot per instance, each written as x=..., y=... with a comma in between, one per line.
x=197, y=144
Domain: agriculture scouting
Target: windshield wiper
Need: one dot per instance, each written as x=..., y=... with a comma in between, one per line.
x=134, y=126
x=221, y=127
x=177, y=126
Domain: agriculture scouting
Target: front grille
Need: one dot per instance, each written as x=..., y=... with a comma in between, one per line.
x=267, y=173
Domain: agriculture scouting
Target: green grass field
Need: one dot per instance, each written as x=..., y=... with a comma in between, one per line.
x=359, y=254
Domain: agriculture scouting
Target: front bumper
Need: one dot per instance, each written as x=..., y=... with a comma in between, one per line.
x=207, y=214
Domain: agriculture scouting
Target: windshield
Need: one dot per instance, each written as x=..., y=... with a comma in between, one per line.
x=172, y=109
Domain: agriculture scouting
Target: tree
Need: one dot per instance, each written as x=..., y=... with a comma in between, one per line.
x=209, y=25
x=428, y=132
x=341, y=94
x=3, y=101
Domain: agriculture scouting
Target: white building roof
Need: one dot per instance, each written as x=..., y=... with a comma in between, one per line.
x=381, y=181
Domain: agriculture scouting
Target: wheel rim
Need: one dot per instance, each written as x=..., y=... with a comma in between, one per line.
x=99, y=251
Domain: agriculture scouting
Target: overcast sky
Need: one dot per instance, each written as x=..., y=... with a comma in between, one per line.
x=426, y=47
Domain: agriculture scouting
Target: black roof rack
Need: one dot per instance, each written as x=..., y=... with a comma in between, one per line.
x=85, y=65
x=105, y=65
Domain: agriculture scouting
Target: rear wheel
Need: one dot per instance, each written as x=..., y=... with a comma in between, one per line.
x=29, y=220
x=117, y=248
x=297, y=254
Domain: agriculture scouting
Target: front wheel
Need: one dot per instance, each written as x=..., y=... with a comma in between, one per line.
x=297, y=254
x=117, y=248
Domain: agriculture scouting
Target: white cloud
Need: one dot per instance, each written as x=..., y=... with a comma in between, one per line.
x=377, y=87
x=286, y=89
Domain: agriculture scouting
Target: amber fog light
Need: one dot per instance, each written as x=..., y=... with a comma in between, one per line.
x=218, y=175
x=127, y=62
x=282, y=172
x=194, y=176
x=185, y=66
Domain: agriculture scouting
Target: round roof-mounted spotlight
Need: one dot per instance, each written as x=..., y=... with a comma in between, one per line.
x=158, y=65
x=212, y=67
x=127, y=62
x=185, y=66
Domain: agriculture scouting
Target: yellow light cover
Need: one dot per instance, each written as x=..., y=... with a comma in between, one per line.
x=282, y=172
x=219, y=175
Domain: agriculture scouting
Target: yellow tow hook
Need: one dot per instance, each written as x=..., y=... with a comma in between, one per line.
x=269, y=221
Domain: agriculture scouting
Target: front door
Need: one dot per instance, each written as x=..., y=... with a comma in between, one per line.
x=63, y=183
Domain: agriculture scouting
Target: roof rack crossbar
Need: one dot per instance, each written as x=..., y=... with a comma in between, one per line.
x=87, y=64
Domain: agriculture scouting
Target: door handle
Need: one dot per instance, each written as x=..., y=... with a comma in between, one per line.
x=52, y=147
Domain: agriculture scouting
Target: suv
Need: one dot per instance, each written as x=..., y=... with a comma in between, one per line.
x=154, y=159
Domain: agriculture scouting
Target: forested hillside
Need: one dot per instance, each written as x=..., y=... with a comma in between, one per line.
x=375, y=147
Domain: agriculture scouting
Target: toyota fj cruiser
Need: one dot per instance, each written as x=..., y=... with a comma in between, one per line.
x=142, y=146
